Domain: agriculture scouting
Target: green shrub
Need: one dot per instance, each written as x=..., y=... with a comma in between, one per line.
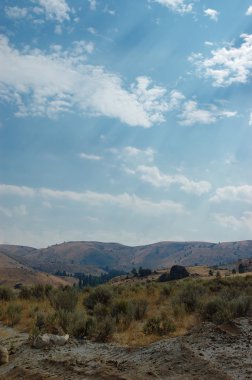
x=40, y=321
x=104, y=329
x=140, y=308
x=217, y=310
x=100, y=311
x=6, y=294
x=159, y=326
x=123, y=312
x=13, y=314
x=189, y=295
x=38, y=291
x=25, y=293
x=242, y=306
x=166, y=291
x=64, y=319
x=101, y=294
x=82, y=326
x=64, y=299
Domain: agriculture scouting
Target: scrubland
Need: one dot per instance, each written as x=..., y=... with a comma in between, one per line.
x=131, y=314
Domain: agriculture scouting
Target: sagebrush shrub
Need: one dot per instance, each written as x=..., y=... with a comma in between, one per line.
x=6, y=294
x=140, y=308
x=82, y=326
x=104, y=330
x=159, y=326
x=64, y=299
x=101, y=294
x=189, y=294
x=13, y=314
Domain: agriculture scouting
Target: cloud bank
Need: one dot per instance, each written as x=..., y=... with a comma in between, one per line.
x=49, y=84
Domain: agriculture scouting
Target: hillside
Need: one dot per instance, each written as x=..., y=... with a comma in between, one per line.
x=13, y=272
x=93, y=257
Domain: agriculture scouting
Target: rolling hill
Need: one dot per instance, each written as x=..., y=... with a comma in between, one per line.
x=13, y=272
x=94, y=257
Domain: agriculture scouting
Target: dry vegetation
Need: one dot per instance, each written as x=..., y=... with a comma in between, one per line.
x=130, y=314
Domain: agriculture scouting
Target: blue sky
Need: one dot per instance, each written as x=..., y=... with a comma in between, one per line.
x=126, y=121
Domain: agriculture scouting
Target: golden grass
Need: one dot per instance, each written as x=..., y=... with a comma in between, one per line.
x=162, y=302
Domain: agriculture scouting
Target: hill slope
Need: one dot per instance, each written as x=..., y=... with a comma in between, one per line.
x=93, y=257
x=13, y=272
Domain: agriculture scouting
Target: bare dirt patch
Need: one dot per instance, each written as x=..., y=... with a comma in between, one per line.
x=206, y=352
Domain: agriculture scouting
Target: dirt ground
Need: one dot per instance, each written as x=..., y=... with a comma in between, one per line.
x=206, y=352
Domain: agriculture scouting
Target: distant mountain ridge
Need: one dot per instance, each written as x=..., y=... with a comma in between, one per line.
x=94, y=257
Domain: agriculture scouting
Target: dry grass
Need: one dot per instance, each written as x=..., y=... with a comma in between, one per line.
x=180, y=302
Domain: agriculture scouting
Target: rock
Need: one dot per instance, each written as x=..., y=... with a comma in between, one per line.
x=4, y=355
x=177, y=272
x=46, y=340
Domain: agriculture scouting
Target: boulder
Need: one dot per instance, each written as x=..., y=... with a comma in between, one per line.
x=4, y=355
x=177, y=272
x=45, y=340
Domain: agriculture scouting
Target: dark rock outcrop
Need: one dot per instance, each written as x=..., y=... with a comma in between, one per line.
x=177, y=272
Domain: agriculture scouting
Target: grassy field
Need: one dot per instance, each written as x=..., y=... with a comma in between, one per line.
x=133, y=313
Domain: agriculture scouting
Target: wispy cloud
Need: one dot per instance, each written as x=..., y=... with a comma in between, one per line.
x=57, y=10
x=241, y=193
x=212, y=14
x=152, y=175
x=90, y=157
x=178, y=6
x=133, y=155
x=227, y=65
x=92, y=5
x=22, y=191
x=66, y=83
x=125, y=200
x=192, y=114
x=53, y=10
x=234, y=222
x=10, y=212
x=16, y=12
x=250, y=119
x=249, y=11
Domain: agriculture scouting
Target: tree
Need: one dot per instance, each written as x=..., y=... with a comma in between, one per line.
x=144, y=272
x=134, y=272
x=241, y=268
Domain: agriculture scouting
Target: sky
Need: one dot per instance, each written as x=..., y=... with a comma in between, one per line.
x=125, y=121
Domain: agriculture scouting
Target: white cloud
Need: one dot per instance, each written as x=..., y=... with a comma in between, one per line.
x=58, y=29
x=227, y=65
x=92, y=4
x=250, y=119
x=43, y=84
x=212, y=14
x=135, y=155
x=152, y=175
x=241, y=193
x=57, y=10
x=192, y=114
x=23, y=191
x=20, y=210
x=236, y=223
x=125, y=200
x=249, y=11
x=16, y=12
x=179, y=6
x=5, y=211
x=209, y=43
x=230, y=160
x=91, y=157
